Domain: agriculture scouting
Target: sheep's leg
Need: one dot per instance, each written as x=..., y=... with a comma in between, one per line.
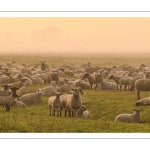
x=138, y=95
x=125, y=87
x=69, y=113
x=58, y=110
x=65, y=112
x=91, y=85
x=50, y=111
x=53, y=112
x=95, y=86
x=120, y=87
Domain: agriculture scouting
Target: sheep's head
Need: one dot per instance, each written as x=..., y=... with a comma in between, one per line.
x=82, y=108
x=40, y=92
x=6, y=87
x=53, y=83
x=137, y=103
x=137, y=111
x=77, y=91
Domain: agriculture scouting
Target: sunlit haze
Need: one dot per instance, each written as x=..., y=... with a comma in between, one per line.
x=50, y=35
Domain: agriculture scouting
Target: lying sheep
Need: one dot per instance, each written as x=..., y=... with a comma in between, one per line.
x=145, y=101
x=83, y=85
x=48, y=91
x=18, y=104
x=23, y=91
x=54, y=104
x=83, y=113
x=108, y=85
x=130, y=118
x=32, y=98
x=18, y=84
x=4, y=79
x=142, y=85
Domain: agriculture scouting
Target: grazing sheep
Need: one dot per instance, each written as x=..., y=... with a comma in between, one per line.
x=130, y=118
x=71, y=102
x=54, y=104
x=83, y=113
x=8, y=100
x=145, y=101
x=142, y=85
x=48, y=91
x=108, y=85
x=116, y=79
x=32, y=98
x=44, y=66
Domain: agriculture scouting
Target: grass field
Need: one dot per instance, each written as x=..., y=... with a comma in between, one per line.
x=103, y=105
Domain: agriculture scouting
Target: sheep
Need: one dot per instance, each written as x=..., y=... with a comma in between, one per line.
x=65, y=87
x=4, y=79
x=71, y=102
x=145, y=101
x=48, y=91
x=32, y=98
x=142, y=85
x=54, y=104
x=18, y=104
x=83, y=85
x=83, y=113
x=5, y=91
x=44, y=65
x=23, y=91
x=130, y=118
x=108, y=85
x=51, y=76
x=94, y=78
x=8, y=100
x=116, y=79
x=18, y=84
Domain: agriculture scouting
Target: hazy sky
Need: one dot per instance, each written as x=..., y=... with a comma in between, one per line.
x=75, y=34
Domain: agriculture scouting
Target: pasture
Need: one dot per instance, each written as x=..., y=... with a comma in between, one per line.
x=103, y=105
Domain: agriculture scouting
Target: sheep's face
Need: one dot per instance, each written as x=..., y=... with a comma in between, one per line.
x=40, y=91
x=83, y=108
x=137, y=104
x=77, y=92
x=137, y=111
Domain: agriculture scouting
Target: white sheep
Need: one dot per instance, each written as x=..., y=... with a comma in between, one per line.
x=54, y=104
x=108, y=85
x=23, y=91
x=49, y=90
x=130, y=118
x=145, y=101
x=83, y=113
x=18, y=104
x=72, y=102
x=32, y=98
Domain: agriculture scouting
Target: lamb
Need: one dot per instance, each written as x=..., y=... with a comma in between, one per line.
x=44, y=66
x=145, y=101
x=142, y=85
x=8, y=100
x=71, y=102
x=83, y=113
x=48, y=91
x=54, y=104
x=32, y=98
x=130, y=118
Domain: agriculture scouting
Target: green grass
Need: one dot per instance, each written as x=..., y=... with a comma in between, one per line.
x=103, y=105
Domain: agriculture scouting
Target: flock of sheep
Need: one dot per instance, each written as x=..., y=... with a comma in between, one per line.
x=71, y=80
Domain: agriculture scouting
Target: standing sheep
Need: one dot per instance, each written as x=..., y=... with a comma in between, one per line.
x=54, y=104
x=142, y=85
x=130, y=118
x=44, y=66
